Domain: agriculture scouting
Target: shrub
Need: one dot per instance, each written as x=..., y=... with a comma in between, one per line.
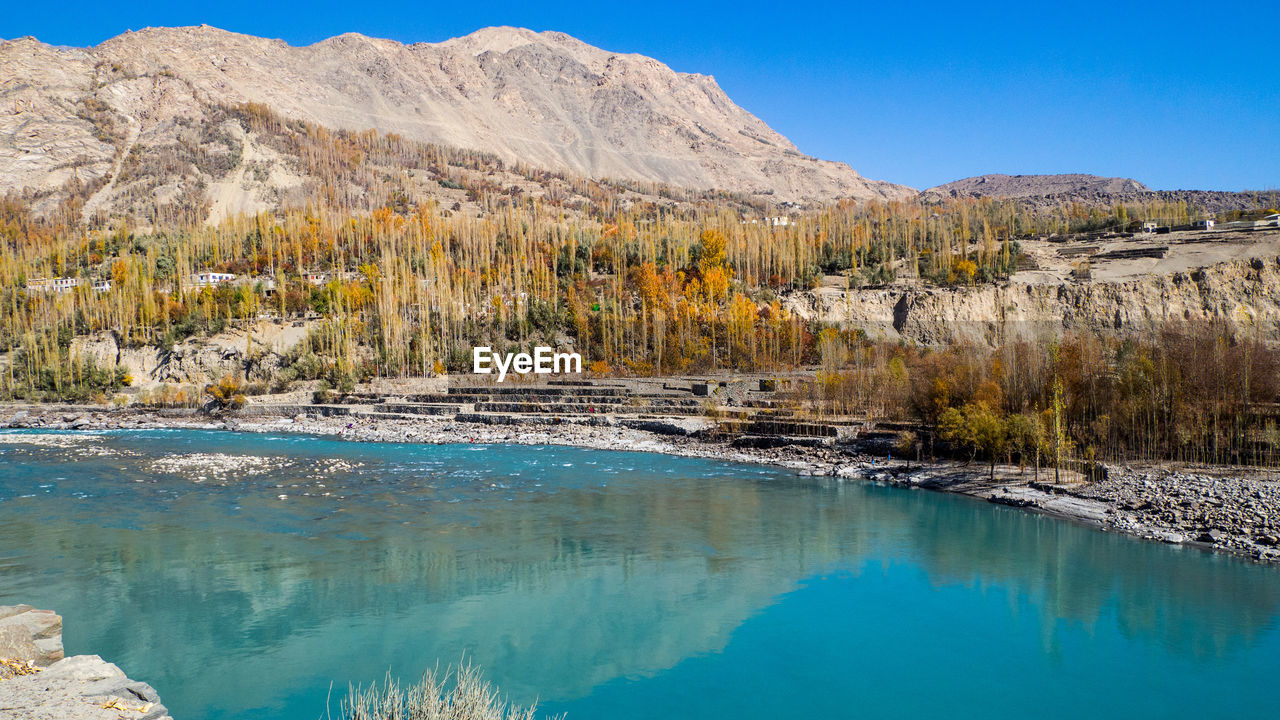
x=227, y=393
x=323, y=395
x=170, y=396
x=907, y=444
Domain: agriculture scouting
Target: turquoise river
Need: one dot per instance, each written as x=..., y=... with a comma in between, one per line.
x=257, y=576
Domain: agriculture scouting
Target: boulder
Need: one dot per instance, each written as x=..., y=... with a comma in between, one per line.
x=77, y=688
x=11, y=610
x=30, y=635
x=1212, y=536
x=15, y=644
x=40, y=624
x=84, y=687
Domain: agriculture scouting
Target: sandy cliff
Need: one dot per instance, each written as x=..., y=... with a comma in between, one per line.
x=1245, y=292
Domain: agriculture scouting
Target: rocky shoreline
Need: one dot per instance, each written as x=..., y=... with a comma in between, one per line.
x=1234, y=510
x=38, y=683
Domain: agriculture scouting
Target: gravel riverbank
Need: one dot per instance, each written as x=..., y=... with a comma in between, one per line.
x=1235, y=510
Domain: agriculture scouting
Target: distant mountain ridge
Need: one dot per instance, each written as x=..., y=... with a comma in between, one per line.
x=1054, y=190
x=545, y=99
x=1021, y=186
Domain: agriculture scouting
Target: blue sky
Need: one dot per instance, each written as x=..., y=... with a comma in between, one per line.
x=1177, y=95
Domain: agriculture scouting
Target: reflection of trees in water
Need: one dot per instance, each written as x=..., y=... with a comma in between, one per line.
x=1197, y=604
x=573, y=587
x=602, y=583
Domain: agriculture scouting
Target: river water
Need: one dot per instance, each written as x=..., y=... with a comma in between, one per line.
x=257, y=576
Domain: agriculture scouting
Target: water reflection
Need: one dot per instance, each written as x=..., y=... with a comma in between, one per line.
x=564, y=572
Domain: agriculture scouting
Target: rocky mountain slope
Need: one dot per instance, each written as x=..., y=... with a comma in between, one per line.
x=1020, y=186
x=1054, y=190
x=546, y=99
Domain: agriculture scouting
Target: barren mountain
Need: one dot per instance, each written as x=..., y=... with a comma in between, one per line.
x=1022, y=186
x=1053, y=190
x=545, y=99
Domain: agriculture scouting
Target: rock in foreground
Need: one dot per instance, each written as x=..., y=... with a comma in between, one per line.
x=38, y=683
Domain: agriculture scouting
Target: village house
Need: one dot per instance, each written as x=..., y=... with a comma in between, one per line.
x=55, y=285
x=209, y=279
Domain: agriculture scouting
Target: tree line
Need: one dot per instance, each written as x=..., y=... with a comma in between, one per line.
x=640, y=278
x=1203, y=392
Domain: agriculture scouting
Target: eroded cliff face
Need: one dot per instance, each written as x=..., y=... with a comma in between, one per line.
x=1246, y=293
x=255, y=353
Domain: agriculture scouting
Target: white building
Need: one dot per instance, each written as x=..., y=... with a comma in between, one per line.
x=56, y=285
x=320, y=278
x=775, y=221
x=207, y=279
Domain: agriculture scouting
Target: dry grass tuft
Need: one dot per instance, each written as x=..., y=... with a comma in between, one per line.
x=468, y=697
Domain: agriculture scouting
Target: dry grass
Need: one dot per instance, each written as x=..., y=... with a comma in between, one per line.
x=461, y=695
x=14, y=668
